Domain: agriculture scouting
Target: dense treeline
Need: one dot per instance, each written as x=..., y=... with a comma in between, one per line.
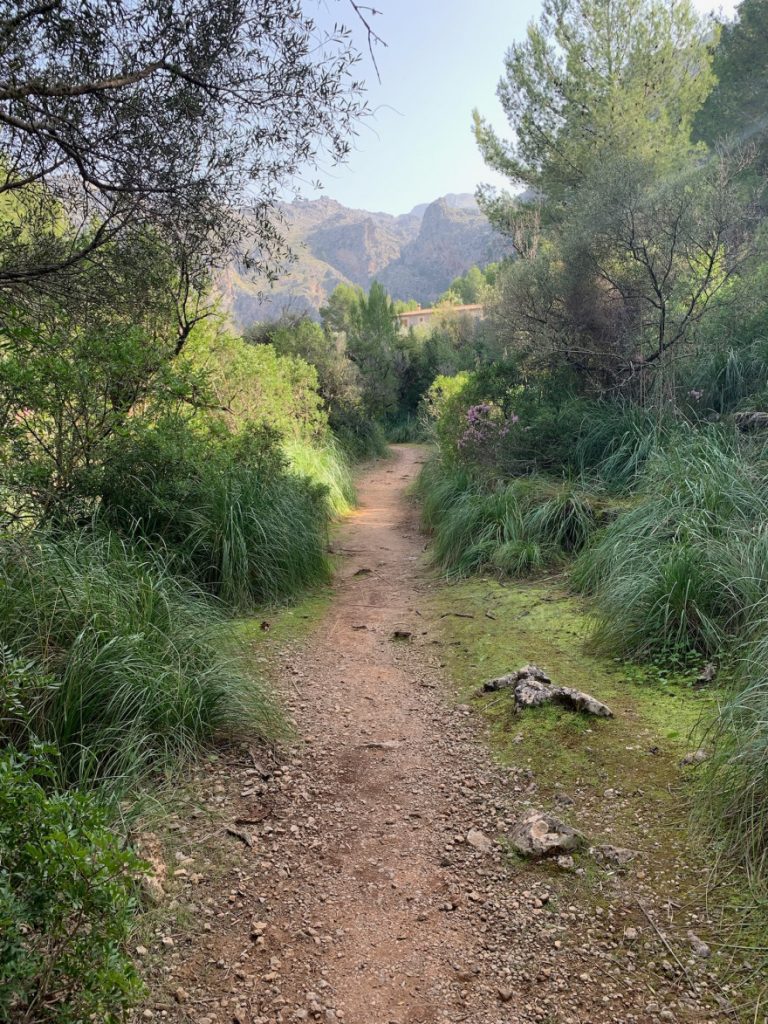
x=617, y=430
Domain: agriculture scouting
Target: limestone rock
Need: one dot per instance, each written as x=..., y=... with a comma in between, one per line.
x=749, y=421
x=695, y=757
x=580, y=701
x=479, y=840
x=500, y=683
x=533, y=687
x=532, y=693
x=541, y=834
x=699, y=947
x=615, y=855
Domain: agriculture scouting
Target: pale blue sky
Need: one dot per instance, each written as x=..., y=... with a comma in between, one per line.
x=443, y=57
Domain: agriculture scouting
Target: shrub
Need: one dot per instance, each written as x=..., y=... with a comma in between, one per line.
x=259, y=386
x=132, y=674
x=66, y=901
x=518, y=528
x=225, y=509
x=685, y=567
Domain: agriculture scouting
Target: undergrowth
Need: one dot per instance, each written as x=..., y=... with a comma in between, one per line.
x=668, y=538
x=127, y=670
x=516, y=527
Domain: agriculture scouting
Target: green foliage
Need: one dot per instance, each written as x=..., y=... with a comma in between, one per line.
x=371, y=344
x=592, y=80
x=342, y=311
x=407, y=429
x=735, y=108
x=123, y=667
x=517, y=528
x=71, y=381
x=224, y=508
x=359, y=436
x=259, y=385
x=472, y=287
x=67, y=898
x=684, y=568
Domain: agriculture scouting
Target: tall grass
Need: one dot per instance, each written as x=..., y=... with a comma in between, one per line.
x=252, y=541
x=127, y=670
x=228, y=515
x=516, y=528
x=407, y=428
x=686, y=568
x=327, y=465
x=734, y=795
x=616, y=440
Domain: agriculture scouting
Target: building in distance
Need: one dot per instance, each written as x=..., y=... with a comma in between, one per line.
x=421, y=317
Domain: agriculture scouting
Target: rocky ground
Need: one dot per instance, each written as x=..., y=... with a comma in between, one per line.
x=365, y=874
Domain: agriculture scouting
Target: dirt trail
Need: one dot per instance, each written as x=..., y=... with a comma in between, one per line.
x=358, y=898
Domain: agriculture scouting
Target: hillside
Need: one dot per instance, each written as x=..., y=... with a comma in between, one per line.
x=416, y=255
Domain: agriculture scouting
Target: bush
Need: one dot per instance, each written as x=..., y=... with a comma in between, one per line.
x=259, y=386
x=225, y=509
x=129, y=671
x=685, y=568
x=518, y=528
x=326, y=465
x=67, y=896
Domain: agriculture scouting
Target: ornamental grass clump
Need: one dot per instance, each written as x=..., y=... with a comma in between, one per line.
x=130, y=670
x=518, y=527
x=229, y=512
x=685, y=567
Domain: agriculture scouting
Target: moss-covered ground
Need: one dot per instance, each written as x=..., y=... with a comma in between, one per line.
x=619, y=780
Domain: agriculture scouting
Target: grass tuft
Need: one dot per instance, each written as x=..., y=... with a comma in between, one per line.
x=126, y=669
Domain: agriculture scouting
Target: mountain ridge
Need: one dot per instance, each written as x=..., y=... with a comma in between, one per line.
x=415, y=255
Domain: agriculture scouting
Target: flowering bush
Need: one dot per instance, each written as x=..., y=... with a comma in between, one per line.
x=485, y=431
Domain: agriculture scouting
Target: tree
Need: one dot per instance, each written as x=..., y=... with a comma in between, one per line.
x=338, y=377
x=371, y=345
x=471, y=288
x=735, y=109
x=172, y=117
x=596, y=78
x=632, y=273
x=341, y=311
x=664, y=249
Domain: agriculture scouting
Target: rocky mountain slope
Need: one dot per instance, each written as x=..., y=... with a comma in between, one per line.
x=415, y=255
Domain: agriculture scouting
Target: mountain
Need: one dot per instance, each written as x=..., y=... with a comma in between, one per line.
x=415, y=255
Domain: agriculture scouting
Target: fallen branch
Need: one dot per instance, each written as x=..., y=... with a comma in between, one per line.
x=242, y=836
x=664, y=941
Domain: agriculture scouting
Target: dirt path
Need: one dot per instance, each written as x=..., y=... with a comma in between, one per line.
x=357, y=898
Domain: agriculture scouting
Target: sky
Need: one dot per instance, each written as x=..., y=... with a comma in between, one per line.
x=442, y=59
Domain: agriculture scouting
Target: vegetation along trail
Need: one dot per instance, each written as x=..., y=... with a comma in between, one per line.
x=364, y=878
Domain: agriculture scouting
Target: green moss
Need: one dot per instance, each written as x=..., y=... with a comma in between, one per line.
x=543, y=624
x=658, y=718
